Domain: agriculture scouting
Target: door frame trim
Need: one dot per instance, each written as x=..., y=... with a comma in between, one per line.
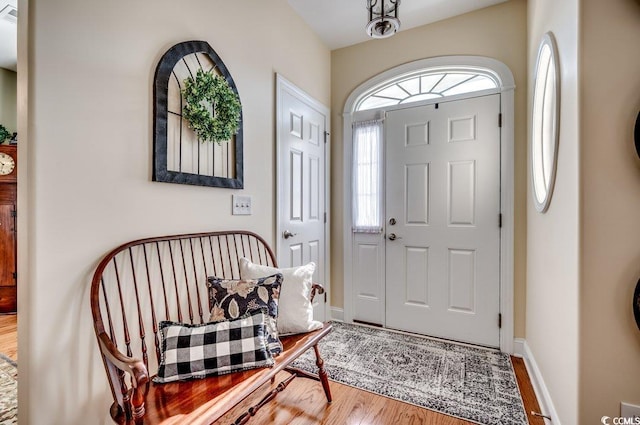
x=506, y=89
x=284, y=85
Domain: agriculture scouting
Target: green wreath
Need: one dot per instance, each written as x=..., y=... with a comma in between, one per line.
x=200, y=94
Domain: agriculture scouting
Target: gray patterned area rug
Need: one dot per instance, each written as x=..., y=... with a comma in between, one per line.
x=474, y=384
x=8, y=391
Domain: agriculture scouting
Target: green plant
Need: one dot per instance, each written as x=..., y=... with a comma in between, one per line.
x=4, y=133
x=204, y=91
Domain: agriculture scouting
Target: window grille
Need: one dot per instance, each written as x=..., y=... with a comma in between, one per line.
x=430, y=85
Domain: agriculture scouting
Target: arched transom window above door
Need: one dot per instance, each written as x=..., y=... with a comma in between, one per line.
x=426, y=85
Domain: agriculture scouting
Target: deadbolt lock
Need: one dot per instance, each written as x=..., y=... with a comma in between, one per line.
x=392, y=221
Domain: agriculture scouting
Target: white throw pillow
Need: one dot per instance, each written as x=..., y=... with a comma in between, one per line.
x=295, y=312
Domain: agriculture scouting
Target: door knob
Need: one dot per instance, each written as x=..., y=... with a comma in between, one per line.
x=287, y=234
x=393, y=237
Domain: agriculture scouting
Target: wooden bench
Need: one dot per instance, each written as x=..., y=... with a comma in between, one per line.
x=143, y=282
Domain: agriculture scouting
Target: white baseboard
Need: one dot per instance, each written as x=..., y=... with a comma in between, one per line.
x=337, y=314
x=518, y=347
x=539, y=387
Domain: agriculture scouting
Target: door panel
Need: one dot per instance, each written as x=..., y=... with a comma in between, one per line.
x=296, y=257
x=297, y=179
x=417, y=189
x=462, y=280
x=461, y=200
x=369, y=278
x=301, y=188
x=443, y=189
x=417, y=275
x=314, y=188
x=7, y=258
x=418, y=134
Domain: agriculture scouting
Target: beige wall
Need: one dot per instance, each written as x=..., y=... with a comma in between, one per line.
x=88, y=185
x=610, y=228
x=553, y=238
x=8, y=107
x=498, y=32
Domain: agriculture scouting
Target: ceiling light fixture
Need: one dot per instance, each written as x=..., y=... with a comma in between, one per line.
x=383, y=18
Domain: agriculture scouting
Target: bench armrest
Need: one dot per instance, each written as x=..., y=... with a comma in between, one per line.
x=133, y=401
x=134, y=367
x=316, y=288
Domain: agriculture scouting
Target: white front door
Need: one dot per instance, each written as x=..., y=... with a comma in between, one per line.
x=443, y=193
x=302, y=128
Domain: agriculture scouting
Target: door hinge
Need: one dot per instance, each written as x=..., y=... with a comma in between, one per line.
x=325, y=297
x=325, y=217
x=500, y=120
x=15, y=275
x=326, y=136
x=500, y=320
x=500, y=220
x=14, y=213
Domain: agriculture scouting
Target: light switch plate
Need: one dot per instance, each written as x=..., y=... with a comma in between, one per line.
x=630, y=411
x=241, y=205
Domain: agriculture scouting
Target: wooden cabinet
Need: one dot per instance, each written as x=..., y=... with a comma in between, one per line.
x=8, y=195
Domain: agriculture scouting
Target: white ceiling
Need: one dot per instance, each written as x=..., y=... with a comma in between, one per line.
x=341, y=23
x=8, y=39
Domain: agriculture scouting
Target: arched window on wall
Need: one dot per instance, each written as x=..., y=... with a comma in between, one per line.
x=426, y=85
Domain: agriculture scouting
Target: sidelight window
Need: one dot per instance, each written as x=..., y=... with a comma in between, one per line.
x=367, y=176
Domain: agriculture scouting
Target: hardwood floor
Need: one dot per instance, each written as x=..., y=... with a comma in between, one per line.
x=304, y=403
x=9, y=335
x=526, y=391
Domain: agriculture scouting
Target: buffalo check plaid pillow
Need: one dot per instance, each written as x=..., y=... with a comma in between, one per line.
x=197, y=351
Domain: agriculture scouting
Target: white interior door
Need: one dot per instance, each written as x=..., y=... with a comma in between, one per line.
x=443, y=191
x=302, y=129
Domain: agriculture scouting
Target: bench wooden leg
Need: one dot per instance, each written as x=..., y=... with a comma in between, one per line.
x=137, y=403
x=302, y=373
x=244, y=418
x=324, y=378
x=133, y=401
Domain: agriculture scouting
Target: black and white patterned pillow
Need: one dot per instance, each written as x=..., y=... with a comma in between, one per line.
x=230, y=299
x=196, y=351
